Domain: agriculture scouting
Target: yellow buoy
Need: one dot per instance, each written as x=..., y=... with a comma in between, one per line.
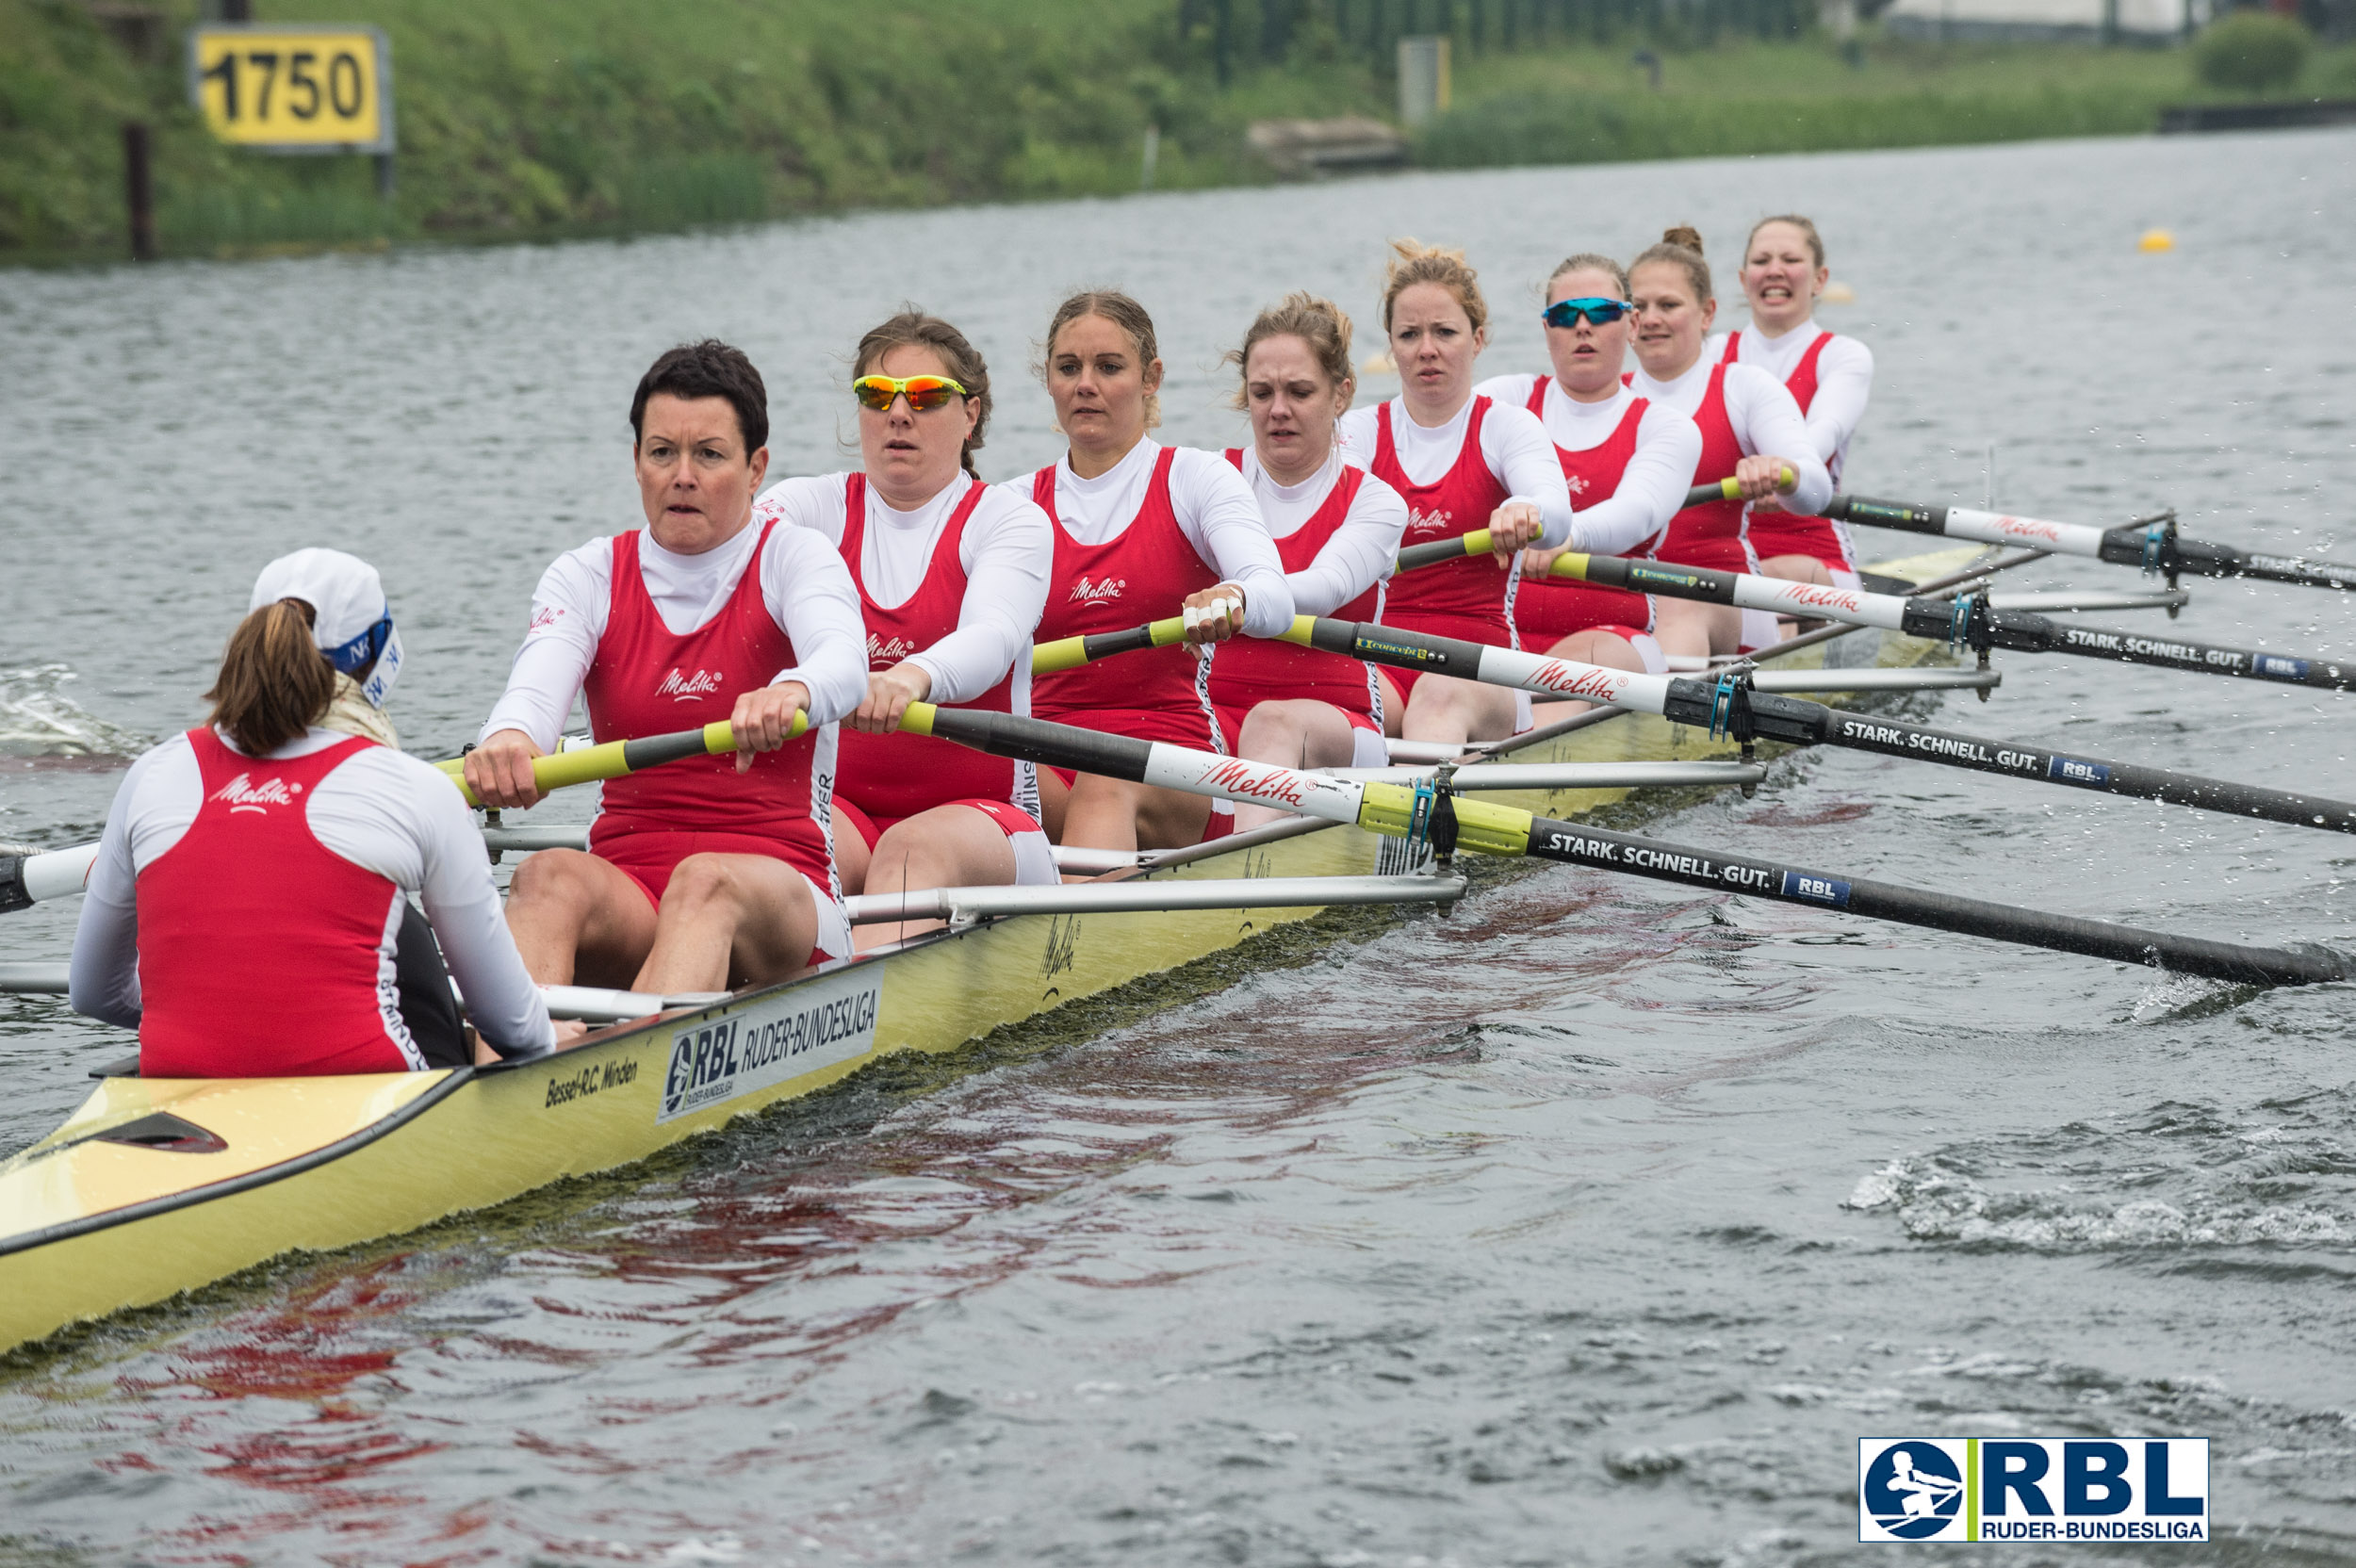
x=1377, y=364
x=2155, y=240
x=1838, y=293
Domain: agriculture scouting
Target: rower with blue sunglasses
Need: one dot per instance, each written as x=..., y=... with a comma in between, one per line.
x=1626, y=461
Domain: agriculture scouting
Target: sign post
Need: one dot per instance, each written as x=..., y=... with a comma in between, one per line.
x=318, y=88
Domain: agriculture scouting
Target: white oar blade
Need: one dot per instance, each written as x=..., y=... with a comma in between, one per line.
x=1876, y=681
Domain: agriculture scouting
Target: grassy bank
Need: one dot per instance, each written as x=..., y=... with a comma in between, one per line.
x=544, y=117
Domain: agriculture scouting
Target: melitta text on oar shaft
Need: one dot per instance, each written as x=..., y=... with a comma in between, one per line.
x=2152, y=547
x=1794, y=721
x=1484, y=828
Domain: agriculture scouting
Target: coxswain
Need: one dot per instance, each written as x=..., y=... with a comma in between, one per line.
x=1338, y=529
x=952, y=574
x=714, y=871
x=1461, y=462
x=1829, y=375
x=249, y=910
x=1143, y=532
x=1752, y=432
x=1626, y=459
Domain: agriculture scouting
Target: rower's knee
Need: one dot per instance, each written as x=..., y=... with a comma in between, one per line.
x=701, y=880
x=551, y=878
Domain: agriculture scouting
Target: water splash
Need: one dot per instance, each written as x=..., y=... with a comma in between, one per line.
x=37, y=719
x=1939, y=1205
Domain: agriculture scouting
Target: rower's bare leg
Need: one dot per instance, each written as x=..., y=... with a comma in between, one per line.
x=728, y=921
x=1298, y=733
x=949, y=846
x=1054, y=796
x=850, y=858
x=1607, y=649
x=1443, y=708
x=577, y=918
x=1115, y=813
x=1689, y=629
x=1796, y=568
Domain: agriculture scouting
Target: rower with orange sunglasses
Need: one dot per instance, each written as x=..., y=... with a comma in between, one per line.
x=952, y=574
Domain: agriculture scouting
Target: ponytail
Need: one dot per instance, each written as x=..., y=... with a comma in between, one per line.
x=275, y=682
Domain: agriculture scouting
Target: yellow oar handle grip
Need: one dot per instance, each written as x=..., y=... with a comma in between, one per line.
x=618, y=758
x=1570, y=563
x=1070, y=653
x=1479, y=543
x=1730, y=489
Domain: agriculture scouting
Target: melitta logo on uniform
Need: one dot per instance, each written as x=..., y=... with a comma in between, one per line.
x=880, y=654
x=243, y=795
x=687, y=688
x=1085, y=592
x=2146, y=1489
x=770, y=1040
x=1428, y=522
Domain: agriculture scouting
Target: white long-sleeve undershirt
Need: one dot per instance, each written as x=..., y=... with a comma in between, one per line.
x=1765, y=420
x=803, y=581
x=1214, y=511
x=1363, y=551
x=1513, y=443
x=1651, y=489
x=1845, y=380
x=382, y=810
x=1007, y=551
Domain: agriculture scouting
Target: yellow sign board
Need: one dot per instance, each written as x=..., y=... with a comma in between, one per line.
x=294, y=89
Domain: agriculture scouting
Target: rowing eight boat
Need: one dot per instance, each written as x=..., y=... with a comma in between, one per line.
x=156, y=1187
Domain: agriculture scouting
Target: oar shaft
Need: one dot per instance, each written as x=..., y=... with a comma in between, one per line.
x=1788, y=884
x=2156, y=550
x=1067, y=653
x=1486, y=827
x=1795, y=721
x=618, y=758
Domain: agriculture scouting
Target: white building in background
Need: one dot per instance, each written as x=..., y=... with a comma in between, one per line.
x=2132, y=21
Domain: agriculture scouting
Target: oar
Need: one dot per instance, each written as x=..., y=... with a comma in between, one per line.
x=28, y=879
x=1067, y=653
x=620, y=758
x=1451, y=823
x=2153, y=546
x=1968, y=620
x=1728, y=703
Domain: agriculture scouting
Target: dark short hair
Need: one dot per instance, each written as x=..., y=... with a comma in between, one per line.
x=706, y=369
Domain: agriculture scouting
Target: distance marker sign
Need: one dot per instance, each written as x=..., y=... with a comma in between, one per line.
x=294, y=89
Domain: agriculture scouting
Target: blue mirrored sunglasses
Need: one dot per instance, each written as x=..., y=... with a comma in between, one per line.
x=1565, y=313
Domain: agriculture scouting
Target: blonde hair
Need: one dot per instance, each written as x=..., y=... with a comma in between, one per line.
x=913, y=329
x=1112, y=306
x=1587, y=261
x=1815, y=240
x=275, y=682
x=1412, y=262
x=1319, y=323
x=1681, y=245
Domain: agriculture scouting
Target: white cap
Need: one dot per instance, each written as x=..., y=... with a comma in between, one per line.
x=352, y=620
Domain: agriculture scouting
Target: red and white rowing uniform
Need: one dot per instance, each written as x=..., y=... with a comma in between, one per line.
x=1627, y=463
x=1337, y=532
x=1830, y=377
x=1453, y=477
x=1131, y=544
x=243, y=911
x=954, y=587
x=657, y=642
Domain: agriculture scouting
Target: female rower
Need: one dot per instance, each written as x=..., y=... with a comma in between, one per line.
x=1751, y=431
x=1829, y=375
x=1142, y=533
x=952, y=576
x=1338, y=529
x=247, y=910
x=1461, y=462
x=1628, y=462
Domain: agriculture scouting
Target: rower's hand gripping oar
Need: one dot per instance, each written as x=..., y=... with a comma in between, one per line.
x=1479, y=541
x=1726, y=704
x=620, y=758
x=2152, y=545
x=1450, y=823
x=28, y=879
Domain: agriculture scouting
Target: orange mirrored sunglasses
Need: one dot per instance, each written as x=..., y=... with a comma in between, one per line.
x=924, y=393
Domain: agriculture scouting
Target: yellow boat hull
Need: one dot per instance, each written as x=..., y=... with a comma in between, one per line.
x=91, y=1226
